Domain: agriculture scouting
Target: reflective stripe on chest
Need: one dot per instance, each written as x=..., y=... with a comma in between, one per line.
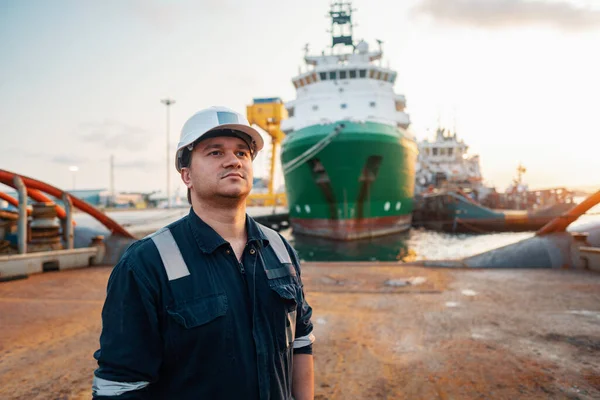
x=170, y=254
x=176, y=268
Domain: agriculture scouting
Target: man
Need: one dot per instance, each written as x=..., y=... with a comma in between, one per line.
x=211, y=306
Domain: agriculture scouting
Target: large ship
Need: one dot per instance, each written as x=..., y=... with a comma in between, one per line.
x=348, y=157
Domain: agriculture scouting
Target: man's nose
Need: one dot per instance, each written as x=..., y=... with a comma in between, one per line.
x=231, y=161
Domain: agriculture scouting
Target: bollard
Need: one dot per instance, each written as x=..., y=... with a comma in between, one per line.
x=98, y=241
x=579, y=240
x=22, y=224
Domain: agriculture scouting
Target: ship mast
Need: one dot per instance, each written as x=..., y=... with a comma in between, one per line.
x=520, y=171
x=341, y=24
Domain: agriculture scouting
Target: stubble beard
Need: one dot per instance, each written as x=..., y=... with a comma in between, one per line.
x=224, y=198
x=230, y=200
x=233, y=196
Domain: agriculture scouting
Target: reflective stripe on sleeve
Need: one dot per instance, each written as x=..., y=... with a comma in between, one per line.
x=304, y=341
x=103, y=387
x=170, y=254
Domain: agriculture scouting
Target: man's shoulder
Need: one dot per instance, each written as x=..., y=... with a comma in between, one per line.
x=271, y=234
x=278, y=242
x=143, y=254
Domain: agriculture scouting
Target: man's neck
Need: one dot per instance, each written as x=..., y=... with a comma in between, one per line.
x=227, y=220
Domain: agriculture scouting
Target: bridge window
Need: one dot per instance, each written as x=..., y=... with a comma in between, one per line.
x=434, y=151
x=296, y=85
x=371, y=73
x=343, y=74
x=290, y=112
x=308, y=79
x=343, y=106
x=393, y=77
x=315, y=107
x=323, y=76
x=385, y=76
x=450, y=151
x=442, y=152
x=378, y=75
x=332, y=75
x=314, y=76
x=362, y=73
x=301, y=82
x=352, y=74
x=372, y=104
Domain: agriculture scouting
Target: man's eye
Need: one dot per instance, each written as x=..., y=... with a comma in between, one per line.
x=215, y=153
x=242, y=153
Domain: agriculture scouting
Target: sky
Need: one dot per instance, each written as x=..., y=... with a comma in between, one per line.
x=81, y=81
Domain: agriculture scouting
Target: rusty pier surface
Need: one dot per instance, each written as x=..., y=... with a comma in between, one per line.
x=384, y=331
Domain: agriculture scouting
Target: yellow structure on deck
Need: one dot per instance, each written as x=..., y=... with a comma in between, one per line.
x=267, y=114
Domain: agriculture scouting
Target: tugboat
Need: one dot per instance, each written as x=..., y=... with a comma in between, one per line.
x=445, y=163
x=463, y=204
x=348, y=156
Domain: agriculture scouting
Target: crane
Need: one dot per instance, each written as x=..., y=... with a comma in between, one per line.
x=267, y=113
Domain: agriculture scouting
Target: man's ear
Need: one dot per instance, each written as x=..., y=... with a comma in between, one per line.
x=185, y=177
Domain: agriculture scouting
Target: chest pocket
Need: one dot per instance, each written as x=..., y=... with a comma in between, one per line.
x=199, y=328
x=198, y=320
x=200, y=311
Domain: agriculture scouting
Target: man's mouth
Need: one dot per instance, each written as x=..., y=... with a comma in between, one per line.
x=233, y=174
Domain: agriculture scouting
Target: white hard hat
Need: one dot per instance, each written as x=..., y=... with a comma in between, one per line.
x=213, y=119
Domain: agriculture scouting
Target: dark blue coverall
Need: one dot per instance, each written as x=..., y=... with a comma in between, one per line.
x=209, y=328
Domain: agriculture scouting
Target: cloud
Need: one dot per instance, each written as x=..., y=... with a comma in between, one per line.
x=137, y=164
x=114, y=135
x=167, y=15
x=22, y=153
x=68, y=160
x=504, y=13
x=163, y=16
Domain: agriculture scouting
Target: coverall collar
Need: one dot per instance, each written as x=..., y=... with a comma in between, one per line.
x=209, y=240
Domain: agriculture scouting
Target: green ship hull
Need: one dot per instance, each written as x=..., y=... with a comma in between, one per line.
x=349, y=180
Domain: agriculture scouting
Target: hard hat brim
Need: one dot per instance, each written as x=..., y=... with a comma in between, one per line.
x=248, y=130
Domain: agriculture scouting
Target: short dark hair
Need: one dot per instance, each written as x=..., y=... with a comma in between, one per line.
x=186, y=157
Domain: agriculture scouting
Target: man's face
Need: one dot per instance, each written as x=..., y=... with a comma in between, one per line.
x=220, y=167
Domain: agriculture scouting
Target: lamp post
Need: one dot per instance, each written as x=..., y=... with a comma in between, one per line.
x=74, y=169
x=168, y=102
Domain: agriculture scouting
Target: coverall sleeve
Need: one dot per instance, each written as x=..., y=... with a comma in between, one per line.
x=130, y=351
x=304, y=327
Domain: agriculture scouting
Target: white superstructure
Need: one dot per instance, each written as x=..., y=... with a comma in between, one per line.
x=445, y=160
x=345, y=85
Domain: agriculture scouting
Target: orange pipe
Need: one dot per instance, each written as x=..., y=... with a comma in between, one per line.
x=560, y=223
x=7, y=177
x=41, y=197
x=11, y=200
x=37, y=196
